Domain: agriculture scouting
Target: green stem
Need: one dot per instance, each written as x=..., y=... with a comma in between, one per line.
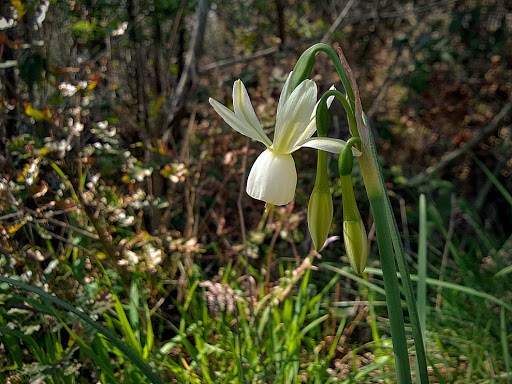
x=322, y=180
x=422, y=267
x=391, y=286
x=305, y=64
x=345, y=163
x=322, y=114
x=376, y=190
x=346, y=159
x=417, y=333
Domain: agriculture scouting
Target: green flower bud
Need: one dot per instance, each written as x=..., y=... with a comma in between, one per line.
x=302, y=68
x=320, y=214
x=356, y=244
x=354, y=233
x=320, y=209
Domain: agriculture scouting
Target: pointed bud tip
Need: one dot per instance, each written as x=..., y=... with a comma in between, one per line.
x=356, y=244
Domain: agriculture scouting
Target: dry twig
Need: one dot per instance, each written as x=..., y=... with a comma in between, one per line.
x=495, y=123
x=338, y=21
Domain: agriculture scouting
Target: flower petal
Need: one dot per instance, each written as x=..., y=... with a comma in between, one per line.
x=285, y=93
x=327, y=144
x=294, y=116
x=240, y=125
x=311, y=128
x=273, y=178
x=243, y=107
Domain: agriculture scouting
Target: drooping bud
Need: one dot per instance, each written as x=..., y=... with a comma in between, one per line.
x=320, y=212
x=356, y=244
x=354, y=233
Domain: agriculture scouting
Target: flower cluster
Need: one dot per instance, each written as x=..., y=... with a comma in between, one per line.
x=273, y=177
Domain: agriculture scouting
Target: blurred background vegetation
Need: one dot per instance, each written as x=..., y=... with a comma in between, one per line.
x=120, y=189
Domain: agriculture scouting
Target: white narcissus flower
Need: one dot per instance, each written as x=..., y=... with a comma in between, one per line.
x=273, y=177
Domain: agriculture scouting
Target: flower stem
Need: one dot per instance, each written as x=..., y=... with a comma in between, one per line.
x=390, y=246
x=322, y=113
x=388, y=237
x=391, y=286
x=304, y=66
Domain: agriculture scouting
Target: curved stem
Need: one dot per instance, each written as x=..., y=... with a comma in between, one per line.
x=346, y=159
x=304, y=66
x=322, y=113
x=322, y=179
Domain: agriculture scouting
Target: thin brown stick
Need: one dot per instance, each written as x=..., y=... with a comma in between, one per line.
x=190, y=70
x=185, y=158
x=335, y=315
x=294, y=247
x=70, y=242
x=495, y=123
x=338, y=21
x=60, y=223
x=175, y=25
x=281, y=32
x=289, y=209
x=361, y=312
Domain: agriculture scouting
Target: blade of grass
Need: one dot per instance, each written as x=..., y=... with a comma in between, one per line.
x=422, y=266
x=506, y=194
x=312, y=325
x=149, y=332
x=130, y=354
x=106, y=367
x=421, y=301
x=133, y=309
x=125, y=326
x=504, y=343
x=336, y=340
x=356, y=278
x=504, y=271
x=373, y=319
x=11, y=338
x=417, y=334
x=453, y=286
x=506, y=247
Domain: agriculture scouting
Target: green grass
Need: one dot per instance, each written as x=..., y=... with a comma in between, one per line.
x=296, y=333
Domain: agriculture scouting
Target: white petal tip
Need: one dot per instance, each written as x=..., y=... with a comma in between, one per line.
x=356, y=152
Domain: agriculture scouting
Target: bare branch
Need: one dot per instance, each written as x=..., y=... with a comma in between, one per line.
x=342, y=15
x=495, y=123
x=190, y=70
x=338, y=21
